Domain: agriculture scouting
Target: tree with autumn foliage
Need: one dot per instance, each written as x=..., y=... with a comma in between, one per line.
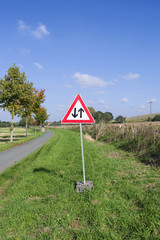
x=19, y=97
x=30, y=101
x=39, y=98
x=41, y=115
x=27, y=100
x=11, y=90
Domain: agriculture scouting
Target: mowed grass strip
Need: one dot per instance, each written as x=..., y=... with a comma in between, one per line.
x=39, y=201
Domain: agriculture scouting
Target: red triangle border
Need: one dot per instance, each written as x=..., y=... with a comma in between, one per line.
x=90, y=121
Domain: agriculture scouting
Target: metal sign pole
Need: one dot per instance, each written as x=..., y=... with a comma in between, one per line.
x=84, y=180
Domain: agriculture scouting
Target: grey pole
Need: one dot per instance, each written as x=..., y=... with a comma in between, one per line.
x=84, y=180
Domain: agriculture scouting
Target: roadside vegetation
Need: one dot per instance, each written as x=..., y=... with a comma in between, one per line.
x=19, y=136
x=142, y=140
x=38, y=199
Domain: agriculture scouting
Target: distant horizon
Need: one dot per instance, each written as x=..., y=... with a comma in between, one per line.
x=17, y=119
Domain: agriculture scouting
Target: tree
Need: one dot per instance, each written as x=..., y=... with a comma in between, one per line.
x=27, y=100
x=107, y=116
x=156, y=118
x=11, y=91
x=41, y=116
x=22, y=122
x=31, y=102
x=92, y=110
x=120, y=119
x=39, y=98
x=98, y=116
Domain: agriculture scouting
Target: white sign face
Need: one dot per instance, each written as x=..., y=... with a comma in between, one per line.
x=78, y=113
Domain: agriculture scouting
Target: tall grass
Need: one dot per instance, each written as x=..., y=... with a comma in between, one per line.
x=144, y=141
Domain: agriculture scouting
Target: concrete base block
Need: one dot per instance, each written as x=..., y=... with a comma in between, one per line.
x=81, y=187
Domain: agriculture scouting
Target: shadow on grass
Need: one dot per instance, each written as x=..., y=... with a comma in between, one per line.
x=7, y=138
x=41, y=170
x=73, y=183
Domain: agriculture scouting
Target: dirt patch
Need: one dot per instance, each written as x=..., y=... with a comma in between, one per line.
x=96, y=202
x=122, y=173
x=41, y=198
x=52, y=196
x=75, y=224
x=88, y=138
x=114, y=155
x=148, y=186
x=46, y=229
x=35, y=198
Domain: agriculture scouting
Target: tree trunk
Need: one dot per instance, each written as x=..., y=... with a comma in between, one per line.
x=11, y=139
x=26, y=126
x=41, y=126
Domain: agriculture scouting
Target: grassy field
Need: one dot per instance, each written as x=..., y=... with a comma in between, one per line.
x=141, y=118
x=18, y=136
x=38, y=198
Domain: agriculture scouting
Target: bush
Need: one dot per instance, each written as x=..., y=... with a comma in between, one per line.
x=156, y=118
x=120, y=119
x=143, y=141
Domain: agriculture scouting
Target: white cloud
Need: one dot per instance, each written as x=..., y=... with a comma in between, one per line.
x=124, y=100
x=68, y=85
x=143, y=107
x=39, y=32
x=24, y=51
x=21, y=66
x=99, y=92
x=88, y=80
x=131, y=76
x=22, y=26
x=101, y=101
x=112, y=82
x=38, y=65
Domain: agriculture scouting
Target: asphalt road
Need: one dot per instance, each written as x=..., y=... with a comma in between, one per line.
x=12, y=155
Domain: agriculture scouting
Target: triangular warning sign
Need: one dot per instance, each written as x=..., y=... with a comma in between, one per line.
x=78, y=112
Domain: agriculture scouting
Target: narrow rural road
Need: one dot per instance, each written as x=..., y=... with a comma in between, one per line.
x=12, y=155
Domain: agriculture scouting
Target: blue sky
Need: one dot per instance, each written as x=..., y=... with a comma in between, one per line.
x=106, y=50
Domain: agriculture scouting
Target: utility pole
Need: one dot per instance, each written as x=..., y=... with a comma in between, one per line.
x=150, y=103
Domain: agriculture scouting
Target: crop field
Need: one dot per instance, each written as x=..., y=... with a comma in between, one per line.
x=38, y=199
x=19, y=136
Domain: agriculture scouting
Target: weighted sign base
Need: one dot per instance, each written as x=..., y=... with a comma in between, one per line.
x=81, y=187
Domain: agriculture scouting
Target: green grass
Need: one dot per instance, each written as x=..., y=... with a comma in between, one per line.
x=18, y=137
x=38, y=198
x=141, y=118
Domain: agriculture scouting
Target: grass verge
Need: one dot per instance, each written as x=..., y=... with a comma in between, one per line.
x=19, y=134
x=38, y=198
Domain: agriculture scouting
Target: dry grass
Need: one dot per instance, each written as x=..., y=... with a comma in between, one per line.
x=88, y=138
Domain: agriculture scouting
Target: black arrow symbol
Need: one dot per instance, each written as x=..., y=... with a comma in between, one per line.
x=74, y=115
x=81, y=110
